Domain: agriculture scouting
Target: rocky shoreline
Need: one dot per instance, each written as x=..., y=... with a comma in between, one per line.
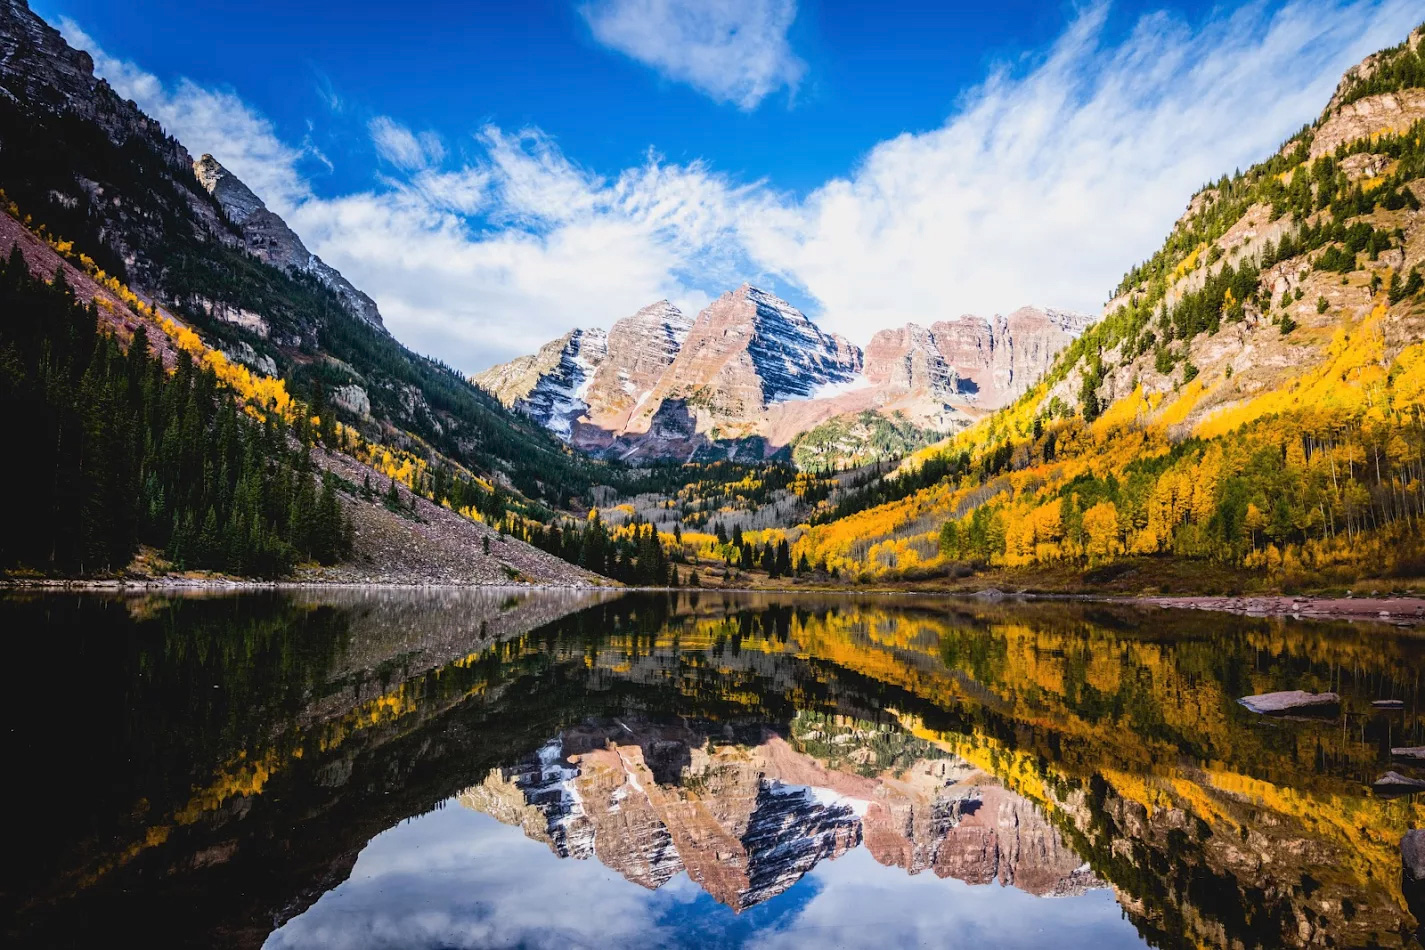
x=1400, y=611
x=219, y=584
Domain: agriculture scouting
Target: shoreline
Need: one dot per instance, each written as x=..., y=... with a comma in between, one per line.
x=215, y=584
x=1400, y=611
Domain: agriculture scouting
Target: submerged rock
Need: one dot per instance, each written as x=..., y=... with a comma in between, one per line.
x=1293, y=701
x=1393, y=783
x=1412, y=855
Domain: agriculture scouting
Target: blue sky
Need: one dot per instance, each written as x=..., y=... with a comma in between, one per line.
x=496, y=173
x=872, y=71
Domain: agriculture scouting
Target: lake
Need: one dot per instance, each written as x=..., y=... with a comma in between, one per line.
x=513, y=768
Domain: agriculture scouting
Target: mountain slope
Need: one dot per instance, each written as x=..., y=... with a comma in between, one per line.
x=1252, y=394
x=100, y=174
x=269, y=238
x=95, y=191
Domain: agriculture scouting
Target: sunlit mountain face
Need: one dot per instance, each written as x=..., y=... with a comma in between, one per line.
x=480, y=769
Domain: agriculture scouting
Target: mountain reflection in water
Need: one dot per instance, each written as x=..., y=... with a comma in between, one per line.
x=533, y=768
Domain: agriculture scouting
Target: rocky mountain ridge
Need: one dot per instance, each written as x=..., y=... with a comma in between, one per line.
x=752, y=373
x=267, y=236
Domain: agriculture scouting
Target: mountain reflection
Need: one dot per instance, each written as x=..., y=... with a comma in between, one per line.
x=747, y=816
x=225, y=770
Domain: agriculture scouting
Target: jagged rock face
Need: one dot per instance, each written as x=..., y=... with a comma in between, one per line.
x=909, y=359
x=1002, y=357
x=590, y=377
x=1368, y=116
x=40, y=69
x=746, y=823
x=751, y=373
x=353, y=399
x=1342, y=122
x=750, y=349
x=42, y=73
x=551, y=386
x=641, y=347
x=267, y=236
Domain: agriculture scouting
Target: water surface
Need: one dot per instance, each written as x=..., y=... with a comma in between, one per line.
x=520, y=769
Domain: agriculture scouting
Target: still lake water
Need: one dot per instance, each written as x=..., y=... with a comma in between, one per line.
x=536, y=769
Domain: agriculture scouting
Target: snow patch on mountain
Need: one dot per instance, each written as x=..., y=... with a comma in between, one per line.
x=857, y=382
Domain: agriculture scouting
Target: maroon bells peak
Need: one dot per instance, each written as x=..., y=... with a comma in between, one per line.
x=752, y=372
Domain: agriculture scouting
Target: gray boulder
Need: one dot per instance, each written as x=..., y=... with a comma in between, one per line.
x=1293, y=702
x=1412, y=873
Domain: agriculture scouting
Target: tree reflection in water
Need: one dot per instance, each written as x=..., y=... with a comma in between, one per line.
x=203, y=769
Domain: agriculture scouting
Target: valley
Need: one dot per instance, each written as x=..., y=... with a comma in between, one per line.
x=738, y=474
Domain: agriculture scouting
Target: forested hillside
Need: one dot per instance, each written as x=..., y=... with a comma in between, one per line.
x=1252, y=396
x=134, y=454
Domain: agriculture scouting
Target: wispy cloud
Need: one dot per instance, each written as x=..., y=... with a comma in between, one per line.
x=326, y=91
x=1044, y=185
x=734, y=51
x=402, y=147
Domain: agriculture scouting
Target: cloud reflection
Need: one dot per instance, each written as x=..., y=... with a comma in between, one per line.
x=458, y=878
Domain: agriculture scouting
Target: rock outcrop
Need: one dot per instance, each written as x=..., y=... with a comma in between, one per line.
x=1350, y=115
x=550, y=386
x=268, y=237
x=641, y=347
x=1412, y=860
x=909, y=358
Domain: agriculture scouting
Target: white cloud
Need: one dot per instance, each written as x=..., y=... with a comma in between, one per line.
x=559, y=246
x=1044, y=185
x=731, y=50
x=402, y=147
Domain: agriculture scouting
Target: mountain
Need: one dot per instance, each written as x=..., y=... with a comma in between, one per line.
x=97, y=197
x=640, y=349
x=1252, y=395
x=752, y=375
x=590, y=371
